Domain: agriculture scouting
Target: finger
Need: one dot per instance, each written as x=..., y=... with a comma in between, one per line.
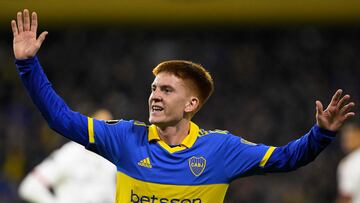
x=343, y=101
x=336, y=97
x=14, y=28
x=34, y=22
x=349, y=115
x=19, y=22
x=347, y=108
x=41, y=38
x=26, y=20
x=319, y=108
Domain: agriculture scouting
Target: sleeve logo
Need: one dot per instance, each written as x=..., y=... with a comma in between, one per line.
x=247, y=142
x=112, y=122
x=197, y=165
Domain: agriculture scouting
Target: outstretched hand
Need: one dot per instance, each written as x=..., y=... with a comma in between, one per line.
x=25, y=44
x=336, y=113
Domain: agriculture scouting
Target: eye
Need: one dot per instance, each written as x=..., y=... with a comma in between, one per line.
x=153, y=88
x=167, y=90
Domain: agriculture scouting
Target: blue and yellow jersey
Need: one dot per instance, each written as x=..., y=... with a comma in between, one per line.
x=198, y=171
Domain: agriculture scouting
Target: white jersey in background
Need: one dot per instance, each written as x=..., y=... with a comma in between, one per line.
x=349, y=176
x=75, y=175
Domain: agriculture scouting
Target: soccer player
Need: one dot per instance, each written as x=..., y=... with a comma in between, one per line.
x=349, y=167
x=71, y=174
x=172, y=160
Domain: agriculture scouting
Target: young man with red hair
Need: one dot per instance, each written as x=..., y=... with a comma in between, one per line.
x=172, y=160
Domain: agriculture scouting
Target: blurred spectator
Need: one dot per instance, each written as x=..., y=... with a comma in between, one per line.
x=71, y=174
x=349, y=167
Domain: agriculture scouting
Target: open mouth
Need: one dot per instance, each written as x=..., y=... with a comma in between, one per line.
x=156, y=108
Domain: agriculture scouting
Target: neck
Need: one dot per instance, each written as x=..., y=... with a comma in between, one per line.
x=174, y=135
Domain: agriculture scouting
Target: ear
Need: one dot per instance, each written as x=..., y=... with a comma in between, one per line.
x=192, y=105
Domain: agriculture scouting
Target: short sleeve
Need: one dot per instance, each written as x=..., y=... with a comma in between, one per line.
x=243, y=158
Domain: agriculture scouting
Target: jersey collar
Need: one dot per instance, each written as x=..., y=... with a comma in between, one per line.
x=186, y=143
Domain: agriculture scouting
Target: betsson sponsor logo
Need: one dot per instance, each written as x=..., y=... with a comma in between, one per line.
x=154, y=199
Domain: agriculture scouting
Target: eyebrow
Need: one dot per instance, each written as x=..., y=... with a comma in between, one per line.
x=162, y=86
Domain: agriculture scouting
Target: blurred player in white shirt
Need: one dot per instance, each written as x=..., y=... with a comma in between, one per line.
x=71, y=174
x=349, y=167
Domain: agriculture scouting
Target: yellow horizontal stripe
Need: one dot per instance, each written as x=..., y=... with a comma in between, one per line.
x=266, y=156
x=129, y=189
x=184, y=12
x=91, y=130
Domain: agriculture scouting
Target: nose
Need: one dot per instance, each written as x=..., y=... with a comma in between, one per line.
x=155, y=96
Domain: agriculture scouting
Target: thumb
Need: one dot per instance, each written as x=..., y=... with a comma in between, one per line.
x=319, y=108
x=41, y=38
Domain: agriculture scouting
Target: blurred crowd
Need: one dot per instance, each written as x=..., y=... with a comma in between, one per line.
x=266, y=83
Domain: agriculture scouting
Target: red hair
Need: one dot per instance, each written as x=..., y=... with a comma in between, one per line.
x=193, y=72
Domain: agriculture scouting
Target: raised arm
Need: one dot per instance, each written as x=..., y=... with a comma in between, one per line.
x=58, y=115
x=305, y=149
x=243, y=158
x=95, y=134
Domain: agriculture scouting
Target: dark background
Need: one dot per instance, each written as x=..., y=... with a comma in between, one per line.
x=267, y=76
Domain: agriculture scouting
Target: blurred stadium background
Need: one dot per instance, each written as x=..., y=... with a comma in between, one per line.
x=270, y=59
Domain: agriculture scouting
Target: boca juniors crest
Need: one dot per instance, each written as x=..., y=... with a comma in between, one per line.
x=197, y=165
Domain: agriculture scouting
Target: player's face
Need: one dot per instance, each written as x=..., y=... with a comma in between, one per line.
x=168, y=99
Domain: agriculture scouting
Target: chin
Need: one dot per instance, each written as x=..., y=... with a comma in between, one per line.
x=154, y=121
x=157, y=122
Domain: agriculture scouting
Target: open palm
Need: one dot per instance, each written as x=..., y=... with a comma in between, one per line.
x=336, y=113
x=25, y=44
